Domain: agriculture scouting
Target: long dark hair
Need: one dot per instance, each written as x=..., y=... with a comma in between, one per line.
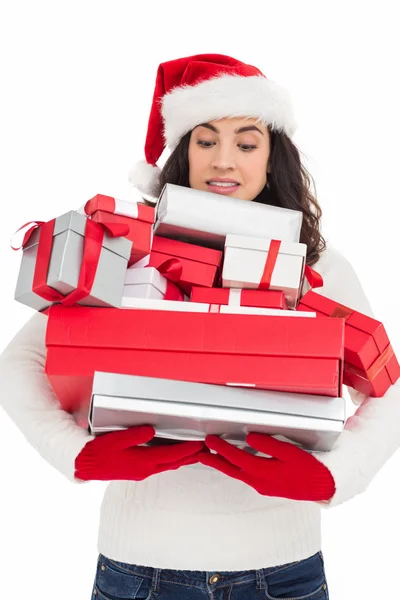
x=289, y=186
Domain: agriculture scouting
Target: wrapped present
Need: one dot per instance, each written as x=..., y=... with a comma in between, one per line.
x=264, y=264
x=162, y=304
x=72, y=260
x=237, y=297
x=253, y=310
x=282, y=353
x=148, y=282
x=181, y=410
x=370, y=365
x=205, y=218
x=136, y=215
x=233, y=309
x=199, y=266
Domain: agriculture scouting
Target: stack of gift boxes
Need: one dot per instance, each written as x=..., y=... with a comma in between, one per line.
x=189, y=316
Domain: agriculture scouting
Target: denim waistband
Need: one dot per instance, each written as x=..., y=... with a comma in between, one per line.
x=200, y=579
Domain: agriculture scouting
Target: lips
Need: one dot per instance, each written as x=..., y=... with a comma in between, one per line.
x=222, y=186
x=223, y=182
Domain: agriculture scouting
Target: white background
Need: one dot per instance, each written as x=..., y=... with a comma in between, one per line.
x=77, y=80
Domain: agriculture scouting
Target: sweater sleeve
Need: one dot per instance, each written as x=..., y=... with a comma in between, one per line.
x=29, y=400
x=372, y=435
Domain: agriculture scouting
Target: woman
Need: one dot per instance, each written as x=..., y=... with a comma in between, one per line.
x=180, y=521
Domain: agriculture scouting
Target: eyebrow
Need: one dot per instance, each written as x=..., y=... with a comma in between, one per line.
x=240, y=130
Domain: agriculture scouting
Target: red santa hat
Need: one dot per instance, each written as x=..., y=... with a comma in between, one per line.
x=202, y=88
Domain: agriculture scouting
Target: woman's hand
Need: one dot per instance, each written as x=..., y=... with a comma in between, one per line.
x=291, y=472
x=115, y=456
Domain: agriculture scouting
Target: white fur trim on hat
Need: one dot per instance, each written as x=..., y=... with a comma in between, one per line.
x=226, y=96
x=144, y=177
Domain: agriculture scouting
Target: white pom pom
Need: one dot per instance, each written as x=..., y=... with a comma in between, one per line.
x=144, y=177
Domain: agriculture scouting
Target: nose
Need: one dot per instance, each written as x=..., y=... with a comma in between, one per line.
x=223, y=158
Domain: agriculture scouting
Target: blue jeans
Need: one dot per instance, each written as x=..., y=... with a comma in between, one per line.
x=300, y=580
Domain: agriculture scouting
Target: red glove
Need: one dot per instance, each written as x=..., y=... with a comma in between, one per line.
x=292, y=472
x=113, y=456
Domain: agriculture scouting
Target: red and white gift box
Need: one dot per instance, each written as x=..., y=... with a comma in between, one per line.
x=279, y=353
x=370, y=365
x=237, y=297
x=162, y=304
x=138, y=216
x=264, y=264
x=200, y=266
x=71, y=259
x=233, y=309
x=149, y=283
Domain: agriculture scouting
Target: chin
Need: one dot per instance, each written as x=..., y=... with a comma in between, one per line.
x=240, y=197
x=246, y=199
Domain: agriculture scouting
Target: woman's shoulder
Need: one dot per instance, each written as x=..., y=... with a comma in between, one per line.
x=333, y=266
x=331, y=260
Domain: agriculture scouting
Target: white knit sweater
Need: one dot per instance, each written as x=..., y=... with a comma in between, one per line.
x=196, y=517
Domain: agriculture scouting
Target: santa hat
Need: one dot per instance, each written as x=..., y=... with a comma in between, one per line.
x=201, y=88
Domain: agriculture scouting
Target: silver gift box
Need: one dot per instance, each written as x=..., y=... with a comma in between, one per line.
x=65, y=265
x=205, y=218
x=182, y=410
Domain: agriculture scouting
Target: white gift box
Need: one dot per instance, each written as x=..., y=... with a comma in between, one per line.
x=233, y=309
x=205, y=218
x=152, y=304
x=183, y=410
x=245, y=259
x=145, y=283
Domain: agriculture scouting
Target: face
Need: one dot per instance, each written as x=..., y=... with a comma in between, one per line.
x=230, y=157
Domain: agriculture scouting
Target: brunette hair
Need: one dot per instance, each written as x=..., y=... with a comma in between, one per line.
x=289, y=186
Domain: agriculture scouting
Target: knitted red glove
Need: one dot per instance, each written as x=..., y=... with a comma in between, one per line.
x=113, y=456
x=291, y=472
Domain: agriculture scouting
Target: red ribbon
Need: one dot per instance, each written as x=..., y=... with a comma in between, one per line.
x=100, y=202
x=35, y=225
x=109, y=204
x=269, y=266
x=314, y=279
x=93, y=242
x=214, y=308
x=171, y=269
x=342, y=312
x=380, y=363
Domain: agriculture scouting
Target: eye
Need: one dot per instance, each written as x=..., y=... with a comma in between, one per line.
x=205, y=144
x=247, y=147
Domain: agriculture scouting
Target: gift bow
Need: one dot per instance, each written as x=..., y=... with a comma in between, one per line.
x=28, y=233
x=93, y=242
x=171, y=269
x=314, y=279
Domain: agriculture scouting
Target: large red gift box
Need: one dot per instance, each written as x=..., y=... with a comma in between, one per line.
x=138, y=216
x=230, y=296
x=276, y=353
x=370, y=365
x=200, y=266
